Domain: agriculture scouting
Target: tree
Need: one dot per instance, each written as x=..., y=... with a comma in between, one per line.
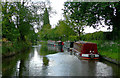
x=43, y=11
x=44, y=33
x=16, y=23
x=8, y=27
x=61, y=32
x=46, y=17
x=24, y=20
x=64, y=31
x=94, y=13
x=71, y=14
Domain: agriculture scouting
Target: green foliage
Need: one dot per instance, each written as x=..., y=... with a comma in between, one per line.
x=45, y=61
x=94, y=13
x=13, y=47
x=17, y=27
x=45, y=32
x=108, y=48
x=61, y=32
x=42, y=42
x=16, y=21
x=45, y=27
x=64, y=29
x=98, y=36
x=8, y=27
x=94, y=36
x=73, y=38
x=8, y=65
x=44, y=50
x=46, y=17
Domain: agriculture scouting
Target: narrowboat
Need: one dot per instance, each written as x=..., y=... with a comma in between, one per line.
x=55, y=48
x=50, y=42
x=60, y=43
x=68, y=45
x=55, y=43
x=85, y=50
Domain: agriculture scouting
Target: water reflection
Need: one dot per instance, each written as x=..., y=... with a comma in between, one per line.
x=48, y=60
x=55, y=48
x=45, y=61
x=13, y=66
x=45, y=50
x=35, y=64
x=103, y=69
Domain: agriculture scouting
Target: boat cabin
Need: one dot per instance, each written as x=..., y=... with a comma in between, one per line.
x=86, y=50
x=55, y=43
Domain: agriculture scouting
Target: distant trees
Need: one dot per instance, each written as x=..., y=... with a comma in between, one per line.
x=43, y=11
x=93, y=36
x=64, y=31
x=45, y=30
x=61, y=32
x=46, y=20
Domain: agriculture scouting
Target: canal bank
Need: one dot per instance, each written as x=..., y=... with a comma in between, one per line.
x=110, y=59
x=10, y=49
x=11, y=54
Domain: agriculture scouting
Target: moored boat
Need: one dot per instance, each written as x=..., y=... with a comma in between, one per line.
x=55, y=43
x=68, y=45
x=60, y=43
x=85, y=50
x=50, y=42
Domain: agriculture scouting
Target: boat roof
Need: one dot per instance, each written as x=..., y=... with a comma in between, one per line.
x=84, y=42
x=59, y=41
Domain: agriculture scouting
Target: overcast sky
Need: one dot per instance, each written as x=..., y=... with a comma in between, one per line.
x=58, y=5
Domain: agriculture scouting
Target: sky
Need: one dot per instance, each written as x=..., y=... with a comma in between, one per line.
x=58, y=5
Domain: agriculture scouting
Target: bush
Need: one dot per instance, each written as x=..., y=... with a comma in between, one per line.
x=10, y=47
x=93, y=36
x=73, y=38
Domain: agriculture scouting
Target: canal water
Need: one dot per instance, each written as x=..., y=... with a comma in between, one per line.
x=47, y=60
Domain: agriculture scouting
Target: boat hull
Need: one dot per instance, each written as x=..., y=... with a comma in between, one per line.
x=85, y=56
x=88, y=58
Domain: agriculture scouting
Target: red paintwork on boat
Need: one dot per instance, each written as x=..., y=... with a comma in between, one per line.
x=86, y=50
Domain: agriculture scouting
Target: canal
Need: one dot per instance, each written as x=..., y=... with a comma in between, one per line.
x=47, y=60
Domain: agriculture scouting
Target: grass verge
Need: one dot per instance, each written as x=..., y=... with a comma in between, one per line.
x=110, y=49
